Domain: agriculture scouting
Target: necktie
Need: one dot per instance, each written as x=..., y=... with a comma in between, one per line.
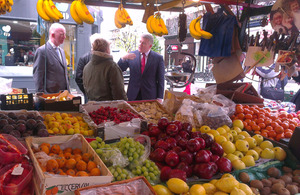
x=143, y=62
x=58, y=53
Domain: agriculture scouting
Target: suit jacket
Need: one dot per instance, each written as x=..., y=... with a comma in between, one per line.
x=56, y=70
x=151, y=82
x=79, y=71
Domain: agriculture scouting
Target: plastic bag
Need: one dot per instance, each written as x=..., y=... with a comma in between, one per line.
x=5, y=85
x=214, y=116
x=206, y=94
x=124, y=129
x=185, y=112
x=113, y=157
x=227, y=104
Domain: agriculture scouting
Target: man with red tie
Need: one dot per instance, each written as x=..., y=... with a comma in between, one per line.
x=147, y=71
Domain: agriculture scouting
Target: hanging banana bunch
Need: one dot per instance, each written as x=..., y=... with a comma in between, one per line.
x=196, y=31
x=122, y=17
x=5, y=6
x=48, y=11
x=156, y=25
x=80, y=12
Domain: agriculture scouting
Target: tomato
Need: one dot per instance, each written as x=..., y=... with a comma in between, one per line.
x=241, y=116
x=274, y=124
x=272, y=133
x=288, y=133
x=285, y=125
x=255, y=127
x=248, y=128
x=260, y=120
x=257, y=132
x=279, y=129
x=279, y=136
x=239, y=109
x=262, y=125
x=264, y=134
x=269, y=128
x=292, y=126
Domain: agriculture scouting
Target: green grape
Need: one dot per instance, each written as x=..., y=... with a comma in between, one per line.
x=116, y=174
x=119, y=170
x=128, y=177
x=130, y=158
x=148, y=178
x=123, y=176
x=156, y=172
x=144, y=169
x=146, y=173
x=98, y=139
x=119, y=178
x=151, y=169
x=147, y=165
x=135, y=156
x=138, y=172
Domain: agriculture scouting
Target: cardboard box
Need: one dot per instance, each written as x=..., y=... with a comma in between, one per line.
x=150, y=110
x=68, y=184
x=112, y=130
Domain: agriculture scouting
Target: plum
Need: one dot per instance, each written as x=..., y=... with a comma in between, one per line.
x=12, y=115
x=2, y=115
x=38, y=117
x=21, y=127
x=3, y=122
x=30, y=116
x=40, y=125
x=21, y=121
x=43, y=133
x=30, y=132
x=15, y=133
x=7, y=128
x=31, y=123
x=22, y=117
x=11, y=121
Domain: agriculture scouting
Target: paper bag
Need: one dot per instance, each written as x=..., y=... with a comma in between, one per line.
x=255, y=54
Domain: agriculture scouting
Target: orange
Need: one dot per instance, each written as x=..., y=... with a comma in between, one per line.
x=68, y=155
x=55, y=149
x=68, y=150
x=95, y=172
x=77, y=157
x=81, y=165
x=86, y=157
x=44, y=149
x=61, y=162
x=91, y=165
x=70, y=172
x=52, y=166
x=59, y=171
x=45, y=144
x=70, y=164
x=77, y=151
x=82, y=174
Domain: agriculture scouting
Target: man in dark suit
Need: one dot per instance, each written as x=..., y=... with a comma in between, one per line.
x=147, y=71
x=51, y=57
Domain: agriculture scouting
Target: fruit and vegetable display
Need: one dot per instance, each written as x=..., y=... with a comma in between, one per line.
x=66, y=124
x=151, y=111
x=6, y=6
x=274, y=125
x=156, y=25
x=22, y=124
x=116, y=115
x=72, y=162
x=122, y=17
x=128, y=158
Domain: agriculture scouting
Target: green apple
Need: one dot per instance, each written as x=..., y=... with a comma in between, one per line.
x=258, y=150
x=228, y=147
x=242, y=145
x=228, y=136
x=280, y=154
x=232, y=157
x=238, y=123
x=238, y=154
x=258, y=138
x=248, y=160
x=215, y=133
x=254, y=154
x=238, y=164
x=266, y=144
x=220, y=139
x=267, y=153
x=251, y=141
x=237, y=129
x=204, y=129
x=233, y=133
x=245, y=133
x=221, y=130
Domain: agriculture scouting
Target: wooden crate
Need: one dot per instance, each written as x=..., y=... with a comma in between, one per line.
x=136, y=185
x=153, y=118
x=68, y=184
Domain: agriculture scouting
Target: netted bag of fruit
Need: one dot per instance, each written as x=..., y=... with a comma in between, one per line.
x=215, y=116
x=113, y=157
x=185, y=112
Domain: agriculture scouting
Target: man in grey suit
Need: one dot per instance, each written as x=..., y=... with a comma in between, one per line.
x=147, y=71
x=51, y=57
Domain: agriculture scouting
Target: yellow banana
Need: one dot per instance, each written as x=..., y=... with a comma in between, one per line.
x=120, y=16
x=197, y=27
x=148, y=25
x=129, y=21
x=195, y=34
x=198, y=24
x=155, y=26
x=8, y=9
x=55, y=10
x=49, y=11
x=118, y=25
x=84, y=13
x=40, y=10
x=163, y=26
x=10, y=2
x=205, y=34
x=74, y=14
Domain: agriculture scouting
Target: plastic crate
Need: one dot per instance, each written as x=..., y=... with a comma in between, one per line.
x=17, y=101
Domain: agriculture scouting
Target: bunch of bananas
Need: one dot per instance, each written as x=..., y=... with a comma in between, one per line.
x=80, y=12
x=156, y=25
x=5, y=6
x=48, y=11
x=122, y=17
x=196, y=31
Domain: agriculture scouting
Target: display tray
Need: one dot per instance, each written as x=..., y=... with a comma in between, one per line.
x=111, y=129
x=65, y=184
x=17, y=101
x=151, y=110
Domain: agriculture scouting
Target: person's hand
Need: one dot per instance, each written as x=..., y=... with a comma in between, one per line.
x=129, y=56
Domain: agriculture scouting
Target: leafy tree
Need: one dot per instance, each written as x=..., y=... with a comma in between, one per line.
x=156, y=46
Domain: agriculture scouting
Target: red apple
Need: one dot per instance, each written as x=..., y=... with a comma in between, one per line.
x=177, y=137
x=184, y=134
x=177, y=149
x=172, y=129
x=146, y=133
x=217, y=149
x=204, y=170
x=201, y=141
x=159, y=155
x=182, y=143
x=187, y=127
x=178, y=124
x=193, y=145
x=162, y=144
x=172, y=158
x=202, y=156
x=164, y=173
x=162, y=136
x=154, y=131
x=214, y=167
x=208, y=140
x=160, y=165
x=153, y=141
x=224, y=165
x=214, y=158
x=186, y=157
x=171, y=141
x=195, y=134
x=162, y=123
x=177, y=173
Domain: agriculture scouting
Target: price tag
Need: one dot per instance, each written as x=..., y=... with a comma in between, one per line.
x=18, y=170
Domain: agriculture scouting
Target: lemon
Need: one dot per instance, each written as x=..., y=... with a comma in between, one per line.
x=204, y=129
x=220, y=139
x=242, y=145
x=248, y=160
x=226, y=128
x=245, y=188
x=227, y=184
x=245, y=133
x=197, y=189
x=162, y=190
x=177, y=186
x=251, y=141
x=221, y=130
x=227, y=175
x=215, y=133
x=228, y=147
x=231, y=157
x=238, y=164
x=220, y=193
x=237, y=191
x=209, y=188
x=266, y=144
x=214, y=181
x=238, y=123
x=228, y=136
